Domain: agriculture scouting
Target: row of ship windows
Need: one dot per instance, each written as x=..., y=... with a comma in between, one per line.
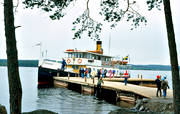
x=88, y=56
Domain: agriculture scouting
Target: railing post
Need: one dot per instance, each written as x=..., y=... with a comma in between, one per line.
x=68, y=75
x=93, y=80
x=85, y=79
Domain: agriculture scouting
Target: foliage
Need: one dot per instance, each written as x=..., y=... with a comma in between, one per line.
x=154, y=3
x=87, y=24
x=55, y=7
x=110, y=10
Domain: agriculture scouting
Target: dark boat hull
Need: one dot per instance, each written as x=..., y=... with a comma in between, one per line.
x=45, y=76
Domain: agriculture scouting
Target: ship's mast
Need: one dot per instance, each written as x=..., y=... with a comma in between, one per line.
x=109, y=43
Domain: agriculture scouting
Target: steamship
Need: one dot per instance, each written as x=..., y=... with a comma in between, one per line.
x=76, y=60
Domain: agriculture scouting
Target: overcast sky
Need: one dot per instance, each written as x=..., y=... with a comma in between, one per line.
x=145, y=45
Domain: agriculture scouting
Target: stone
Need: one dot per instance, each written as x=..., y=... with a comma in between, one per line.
x=141, y=108
x=2, y=109
x=40, y=111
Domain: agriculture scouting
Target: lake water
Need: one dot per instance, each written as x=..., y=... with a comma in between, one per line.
x=60, y=100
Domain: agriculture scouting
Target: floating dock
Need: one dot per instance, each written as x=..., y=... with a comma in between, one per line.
x=112, y=90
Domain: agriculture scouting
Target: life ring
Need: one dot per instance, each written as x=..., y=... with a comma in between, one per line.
x=79, y=61
x=68, y=61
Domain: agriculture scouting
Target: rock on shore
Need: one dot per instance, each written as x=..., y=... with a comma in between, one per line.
x=145, y=106
x=40, y=111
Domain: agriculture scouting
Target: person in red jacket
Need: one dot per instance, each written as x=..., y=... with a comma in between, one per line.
x=158, y=83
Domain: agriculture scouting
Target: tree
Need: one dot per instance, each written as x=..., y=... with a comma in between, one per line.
x=113, y=13
x=15, y=89
x=173, y=56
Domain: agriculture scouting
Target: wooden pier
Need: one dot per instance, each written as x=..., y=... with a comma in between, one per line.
x=111, y=90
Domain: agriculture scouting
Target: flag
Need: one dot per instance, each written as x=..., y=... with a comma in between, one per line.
x=38, y=44
x=125, y=58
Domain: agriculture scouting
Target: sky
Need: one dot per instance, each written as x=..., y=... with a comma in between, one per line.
x=144, y=45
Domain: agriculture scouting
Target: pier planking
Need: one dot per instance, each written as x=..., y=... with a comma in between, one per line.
x=146, y=92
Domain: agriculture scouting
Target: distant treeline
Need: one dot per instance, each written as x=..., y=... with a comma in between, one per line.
x=34, y=63
x=150, y=67
x=22, y=63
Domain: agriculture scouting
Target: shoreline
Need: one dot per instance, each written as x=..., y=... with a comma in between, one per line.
x=157, y=105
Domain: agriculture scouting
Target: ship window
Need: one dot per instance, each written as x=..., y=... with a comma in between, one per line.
x=93, y=57
x=84, y=55
x=99, y=57
x=89, y=56
x=73, y=67
x=79, y=55
x=76, y=55
x=96, y=57
x=70, y=55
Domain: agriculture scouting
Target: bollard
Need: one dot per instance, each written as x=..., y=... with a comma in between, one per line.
x=58, y=74
x=85, y=79
x=138, y=75
x=141, y=76
x=68, y=75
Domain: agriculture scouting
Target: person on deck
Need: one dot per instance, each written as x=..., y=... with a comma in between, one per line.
x=99, y=74
x=63, y=64
x=93, y=74
x=164, y=86
x=89, y=72
x=80, y=70
x=158, y=83
x=110, y=72
x=105, y=72
x=113, y=73
x=82, y=73
x=102, y=72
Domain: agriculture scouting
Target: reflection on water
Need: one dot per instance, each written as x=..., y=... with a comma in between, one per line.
x=66, y=101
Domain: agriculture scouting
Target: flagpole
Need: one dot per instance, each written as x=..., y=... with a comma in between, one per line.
x=40, y=50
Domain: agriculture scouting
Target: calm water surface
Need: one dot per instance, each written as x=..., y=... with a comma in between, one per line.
x=60, y=100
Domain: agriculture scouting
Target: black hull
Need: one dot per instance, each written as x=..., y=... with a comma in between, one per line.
x=45, y=76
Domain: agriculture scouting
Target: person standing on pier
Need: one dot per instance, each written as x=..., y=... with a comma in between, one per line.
x=98, y=92
x=158, y=83
x=164, y=85
x=63, y=64
x=126, y=75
